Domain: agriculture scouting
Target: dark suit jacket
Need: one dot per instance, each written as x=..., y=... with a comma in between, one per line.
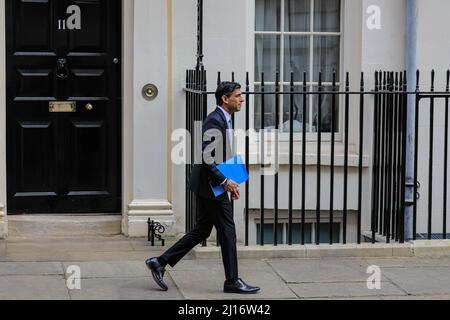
x=206, y=174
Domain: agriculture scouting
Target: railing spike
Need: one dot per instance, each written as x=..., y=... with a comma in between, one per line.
x=433, y=76
x=448, y=81
x=400, y=85
x=376, y=80
x=417, y=80
x=396, y=81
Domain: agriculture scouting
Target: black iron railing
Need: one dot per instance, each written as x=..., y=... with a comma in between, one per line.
x=389, y=156
x=387, y=102
x=196, y=109
x=431, y=97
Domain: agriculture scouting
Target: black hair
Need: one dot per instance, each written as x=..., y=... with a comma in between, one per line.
x=226, y=89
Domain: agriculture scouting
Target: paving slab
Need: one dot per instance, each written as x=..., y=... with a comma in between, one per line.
x=217, y=264
x=312, y=251
x=252, y=252
x=2, y=248
x=65, y=240
x=33, y=288
x=432, y=248
x=140, y=244
x=77, y=256
x=320, y=270
x=125, y=289
x=403, y=250
x=270, y=252
x=69, y=246
x=113, y=269
x=348, y=250
x=373, y=298
x=343, y=290
x=30, y=268
x=107, y=256
x=420, y=281
x=409, y=262
x=77, y=249
x=422, y=297
x=208, y=283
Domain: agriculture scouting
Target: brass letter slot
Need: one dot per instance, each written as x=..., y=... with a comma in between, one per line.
x=62, y=106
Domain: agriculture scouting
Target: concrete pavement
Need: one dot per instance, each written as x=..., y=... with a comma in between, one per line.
x=113, y=268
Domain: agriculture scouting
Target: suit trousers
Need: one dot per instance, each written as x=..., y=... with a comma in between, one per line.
x=217, y=213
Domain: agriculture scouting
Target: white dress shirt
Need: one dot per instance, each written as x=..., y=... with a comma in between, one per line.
x=229, y=125
x=229, y=131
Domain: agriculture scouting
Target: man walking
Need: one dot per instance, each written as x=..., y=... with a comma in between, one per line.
x=213, y=211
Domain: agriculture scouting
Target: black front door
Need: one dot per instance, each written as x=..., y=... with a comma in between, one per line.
x=63, y=106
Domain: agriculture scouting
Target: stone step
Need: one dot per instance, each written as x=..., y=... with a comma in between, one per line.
x=26, y=226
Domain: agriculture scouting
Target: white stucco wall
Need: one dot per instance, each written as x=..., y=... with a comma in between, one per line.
x=150, y=118
x=433, y=53
x=184, y=49
x=151, y=122
x=384, y=49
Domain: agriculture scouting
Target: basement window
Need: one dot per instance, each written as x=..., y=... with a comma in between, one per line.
x=282, y=233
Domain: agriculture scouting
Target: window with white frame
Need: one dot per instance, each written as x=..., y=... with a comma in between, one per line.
x=297, y=36
x=310, y=233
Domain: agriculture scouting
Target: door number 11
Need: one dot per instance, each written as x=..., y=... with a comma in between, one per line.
x=73, y=22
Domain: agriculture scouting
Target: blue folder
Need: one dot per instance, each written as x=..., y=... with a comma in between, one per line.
x=233, y=169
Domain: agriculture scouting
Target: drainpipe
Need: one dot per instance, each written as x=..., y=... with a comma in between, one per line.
x=411, y=68
x=199, y=34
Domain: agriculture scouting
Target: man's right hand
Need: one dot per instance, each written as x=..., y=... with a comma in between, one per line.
x=233, y=187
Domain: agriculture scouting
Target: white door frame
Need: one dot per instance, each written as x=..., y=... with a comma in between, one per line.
x=127, y=111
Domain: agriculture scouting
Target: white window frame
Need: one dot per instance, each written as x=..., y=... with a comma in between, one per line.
x=284, y=136
x=285, y=222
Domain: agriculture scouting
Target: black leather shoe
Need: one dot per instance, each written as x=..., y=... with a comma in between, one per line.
x=239, y=286
x=157, y=272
